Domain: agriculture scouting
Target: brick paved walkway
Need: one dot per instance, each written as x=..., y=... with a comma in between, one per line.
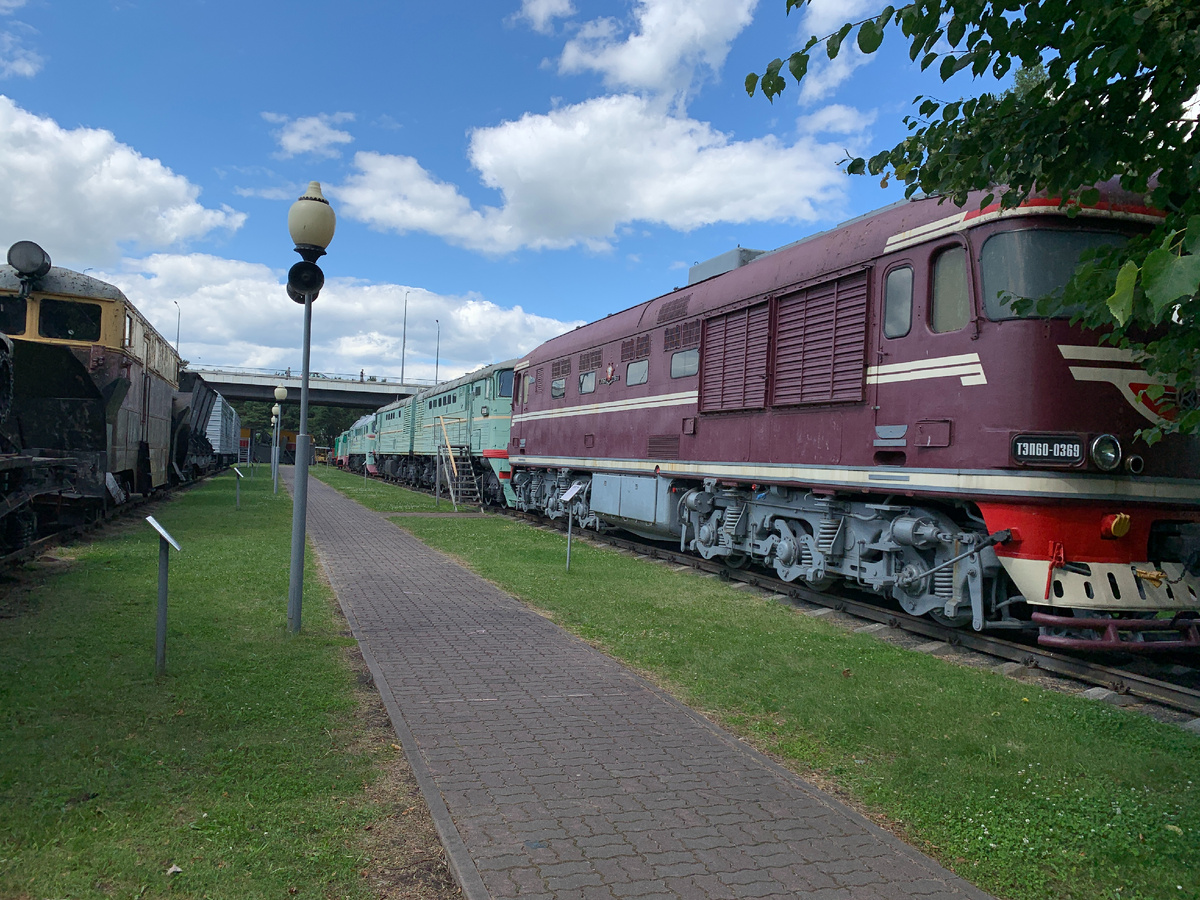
x=553, y=772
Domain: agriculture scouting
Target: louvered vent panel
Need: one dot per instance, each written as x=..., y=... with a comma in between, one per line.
x=664, y=446
x=734, y=360
x=674, y=309
x=560, y=368
x=592, y=359
x=820, y=343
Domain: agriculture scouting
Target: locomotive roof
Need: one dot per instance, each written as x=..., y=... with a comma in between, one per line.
x=444, y=386
x=63, y=281
x=845, y=248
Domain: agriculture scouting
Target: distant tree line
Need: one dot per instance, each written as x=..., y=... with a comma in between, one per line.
x=324, y=422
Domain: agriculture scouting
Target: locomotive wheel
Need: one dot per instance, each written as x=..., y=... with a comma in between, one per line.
x=961, y=620
x=736, y=560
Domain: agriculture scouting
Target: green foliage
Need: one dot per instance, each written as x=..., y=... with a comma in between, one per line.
x=1030, y=794
x=324, y=422
x=236, y=767
x=1101, y=92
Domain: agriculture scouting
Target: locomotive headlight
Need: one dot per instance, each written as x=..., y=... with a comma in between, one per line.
x=1106, y=452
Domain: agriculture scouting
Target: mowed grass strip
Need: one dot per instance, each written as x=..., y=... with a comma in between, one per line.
x=1027, y=793
x=380, y=496
x=234, y=768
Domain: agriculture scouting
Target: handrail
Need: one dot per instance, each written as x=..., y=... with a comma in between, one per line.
x=449, y=449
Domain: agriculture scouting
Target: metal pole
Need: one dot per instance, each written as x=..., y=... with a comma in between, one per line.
x=160, y=638
x=437, y=353
x=437, y=480
x=275, y=456
x=403, y=337
x=237, y=494
x=569, y=520
x=300, y=503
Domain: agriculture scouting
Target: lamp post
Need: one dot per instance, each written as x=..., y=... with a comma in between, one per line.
x=276, y=429
x=437, y=353
x=311, y=223
x=403, y=337
x=277, y=409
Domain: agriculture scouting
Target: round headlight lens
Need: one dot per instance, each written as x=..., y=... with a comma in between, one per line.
x=1106, y=452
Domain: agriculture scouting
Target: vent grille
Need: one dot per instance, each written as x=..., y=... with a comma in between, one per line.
x=539, y=380
x=635, y=348
x=560, y=368
x=592, y=359
x=682, y=336
x=674, y=309
x=664, y=446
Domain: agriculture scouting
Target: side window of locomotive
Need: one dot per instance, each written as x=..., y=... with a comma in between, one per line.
x=66, y=321
x=587, y=382
x=685, y=362
x=506, y=384
x=128, y=337
x=526, y=384
x=12, y=315
x=897, y=302
x=637, y=372
x=558, y=388
x=951, y=308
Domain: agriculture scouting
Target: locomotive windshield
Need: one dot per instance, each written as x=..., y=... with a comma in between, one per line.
x=12, y=315
x=67, y=321
x=1033, y=264
x=506, y=383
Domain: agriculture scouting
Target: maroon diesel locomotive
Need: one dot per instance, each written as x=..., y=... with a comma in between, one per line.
x=865, y=405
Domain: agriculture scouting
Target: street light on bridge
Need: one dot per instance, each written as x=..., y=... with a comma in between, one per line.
x=311, y=223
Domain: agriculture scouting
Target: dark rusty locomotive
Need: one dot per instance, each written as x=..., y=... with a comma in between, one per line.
x=867, y=405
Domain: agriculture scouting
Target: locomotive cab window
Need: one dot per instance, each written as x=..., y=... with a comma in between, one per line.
x=897, y=302
x=685, y=362
x=505, y=383
x=12, y=315
x=637, y=372
x=951, y=307
x=558, y=388
x=1033, y=264
x=587, y=382
x=65, y=320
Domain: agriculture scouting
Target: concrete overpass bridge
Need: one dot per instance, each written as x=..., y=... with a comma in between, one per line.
x=357, y=391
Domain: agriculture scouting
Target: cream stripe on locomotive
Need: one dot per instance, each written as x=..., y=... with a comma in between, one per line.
x=683, y=398
x=942, y=481
x=967, y=366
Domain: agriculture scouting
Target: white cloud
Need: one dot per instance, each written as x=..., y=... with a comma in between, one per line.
x=542, y=13
x=7, y=7
x=238, y=314
x=826, y=75
x=82, y=194
x=836, y=119
x=15, y=58
x=668, y=42
x=313, y=135
x=577, y=174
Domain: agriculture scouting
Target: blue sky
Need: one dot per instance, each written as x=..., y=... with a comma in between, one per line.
x=516, y=167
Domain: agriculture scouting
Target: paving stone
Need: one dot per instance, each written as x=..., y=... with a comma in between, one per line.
x=554, y=772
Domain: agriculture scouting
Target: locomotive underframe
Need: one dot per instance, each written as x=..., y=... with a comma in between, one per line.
x=421, y=471
x=933, y=557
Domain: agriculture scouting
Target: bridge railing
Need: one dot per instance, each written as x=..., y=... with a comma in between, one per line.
x=360, y=378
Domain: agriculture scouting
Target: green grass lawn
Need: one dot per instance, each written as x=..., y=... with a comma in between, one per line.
x=235, y=767
x=1027, y=793
x=379, y=495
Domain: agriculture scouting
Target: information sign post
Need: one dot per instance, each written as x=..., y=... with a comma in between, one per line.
x=165, y=543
